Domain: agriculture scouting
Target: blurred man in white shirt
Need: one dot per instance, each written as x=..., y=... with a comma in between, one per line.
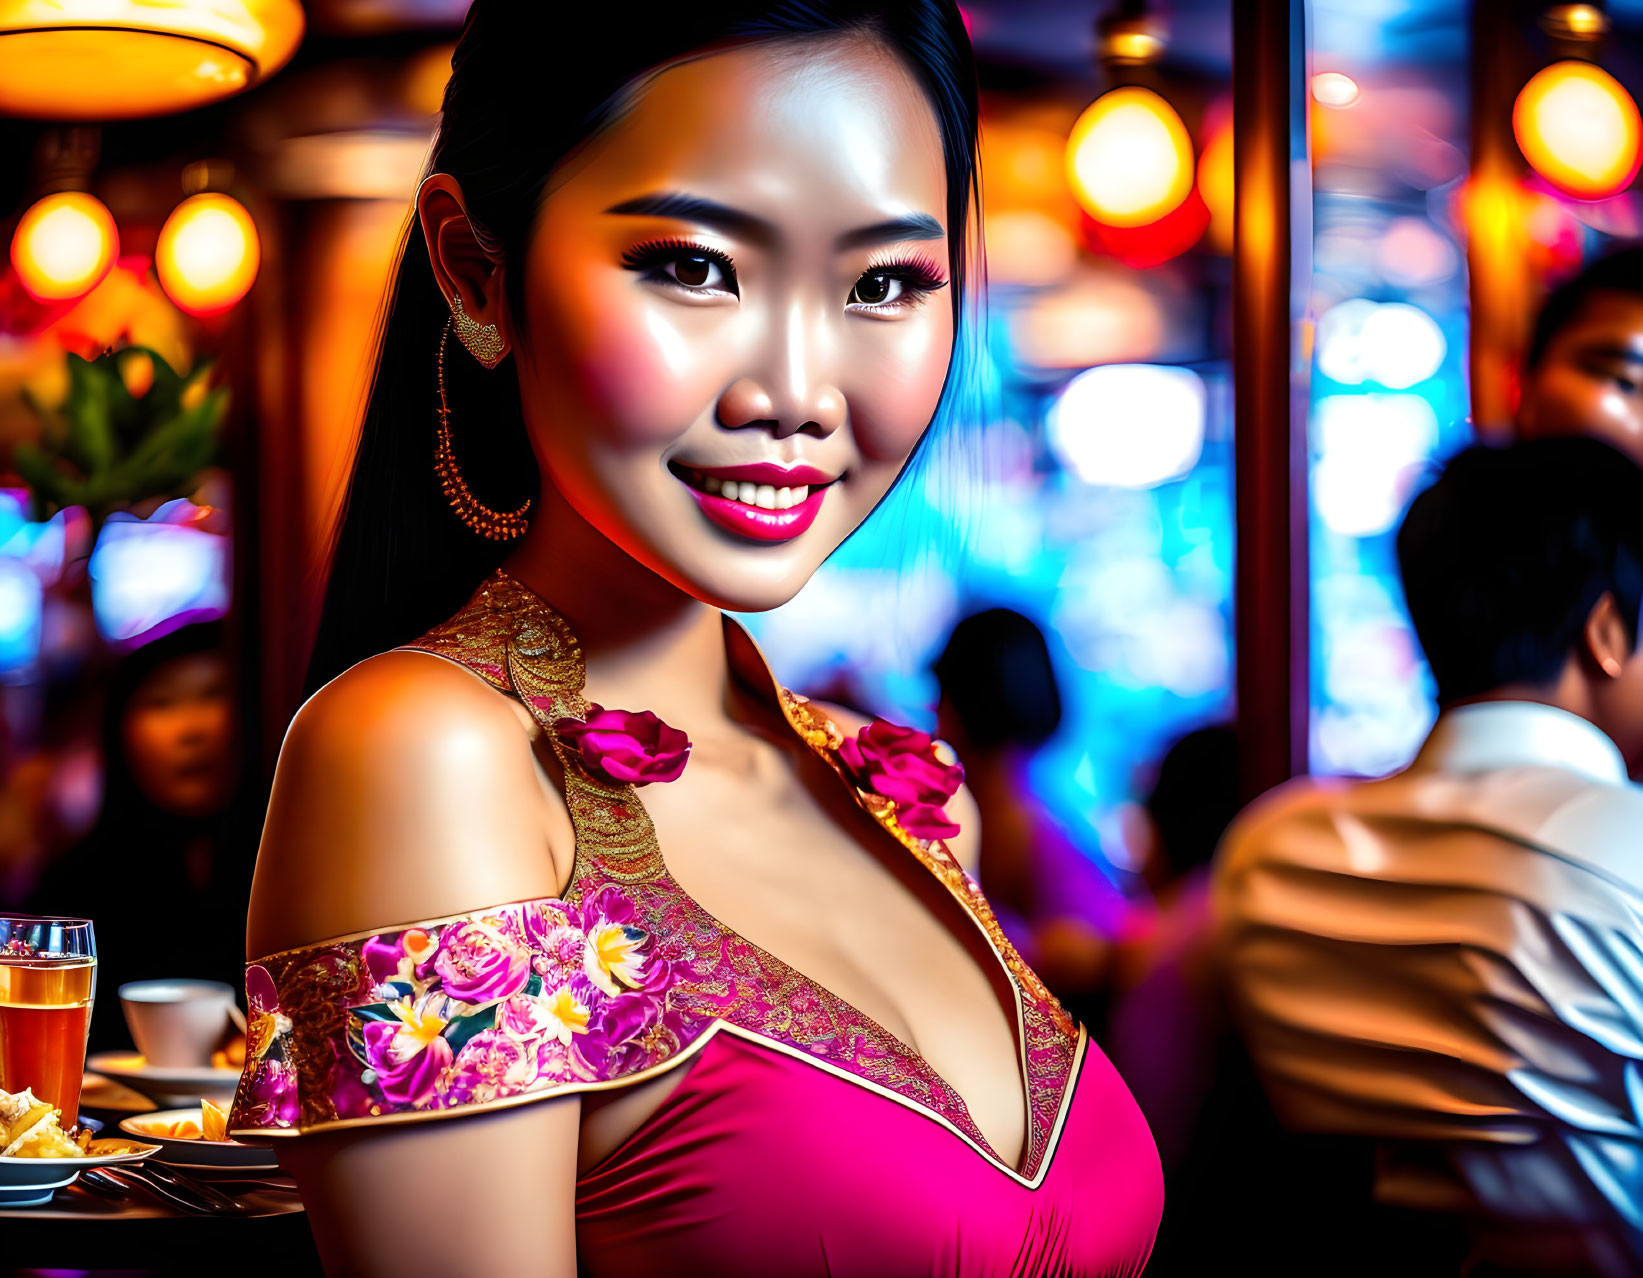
x=1446, y=966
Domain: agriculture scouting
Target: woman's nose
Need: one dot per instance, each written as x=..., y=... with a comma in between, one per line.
x=747, y=402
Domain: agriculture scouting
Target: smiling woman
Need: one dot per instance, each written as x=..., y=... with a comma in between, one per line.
x=714, y=280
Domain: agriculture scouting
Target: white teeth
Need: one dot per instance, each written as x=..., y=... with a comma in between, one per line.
x=764, y=496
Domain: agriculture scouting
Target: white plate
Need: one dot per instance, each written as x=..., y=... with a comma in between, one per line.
x=173, y=1085
x=180, y=1151
x=33, y=1195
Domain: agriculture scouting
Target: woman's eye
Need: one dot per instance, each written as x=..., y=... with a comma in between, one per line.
x=696, y=272
x=878, y=289
x=694, y=268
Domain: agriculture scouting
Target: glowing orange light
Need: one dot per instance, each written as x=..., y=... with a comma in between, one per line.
x=1217, y=186
x=1333, y=89
x=115, y=59
x=1579, y=129
x=64, y=245
x=1129, y=159
x=208, y=253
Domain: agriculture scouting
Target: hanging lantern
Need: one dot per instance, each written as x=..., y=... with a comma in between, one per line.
x=119, y=59
x=1129, y=159
x=208, y=253
x=64, y=245
x=1579, y=129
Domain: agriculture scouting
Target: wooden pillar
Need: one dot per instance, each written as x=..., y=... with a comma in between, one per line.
x=1272, y=254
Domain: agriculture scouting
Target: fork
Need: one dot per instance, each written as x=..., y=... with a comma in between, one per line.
x=166, y=1184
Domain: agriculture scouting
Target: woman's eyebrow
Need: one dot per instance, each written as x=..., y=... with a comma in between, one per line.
x=723, y=218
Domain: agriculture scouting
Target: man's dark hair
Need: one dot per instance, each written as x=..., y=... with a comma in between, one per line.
x=1620, y=271
x=1504, y=557
x=997, y=674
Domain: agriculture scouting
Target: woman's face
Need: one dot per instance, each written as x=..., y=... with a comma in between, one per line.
x=178, y=731
x=737, y=316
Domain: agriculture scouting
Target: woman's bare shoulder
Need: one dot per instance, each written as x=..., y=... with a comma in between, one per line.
x=406, y=790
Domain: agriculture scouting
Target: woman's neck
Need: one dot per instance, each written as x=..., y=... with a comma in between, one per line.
x=648, y=645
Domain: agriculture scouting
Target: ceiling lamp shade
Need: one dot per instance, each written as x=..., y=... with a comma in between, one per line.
x=208, y=253
x=1579, y=129
x=63, y=245
x=121, y=59
x=1129, y=158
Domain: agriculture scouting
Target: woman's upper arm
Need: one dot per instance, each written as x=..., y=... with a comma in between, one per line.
x=406, y=790
x=469, y=1197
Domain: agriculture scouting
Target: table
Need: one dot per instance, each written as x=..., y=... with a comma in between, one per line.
x=82, y=1229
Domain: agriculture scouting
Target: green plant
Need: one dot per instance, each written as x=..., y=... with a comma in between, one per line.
x=106, y=449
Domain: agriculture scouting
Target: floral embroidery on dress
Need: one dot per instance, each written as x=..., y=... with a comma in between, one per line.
x=490, y=1005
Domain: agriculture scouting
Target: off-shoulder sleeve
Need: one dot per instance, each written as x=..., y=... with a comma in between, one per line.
x=473, y=1012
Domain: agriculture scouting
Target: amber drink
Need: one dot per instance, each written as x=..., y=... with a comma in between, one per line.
x=48, y=979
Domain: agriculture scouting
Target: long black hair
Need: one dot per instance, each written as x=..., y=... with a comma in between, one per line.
x=529, y=84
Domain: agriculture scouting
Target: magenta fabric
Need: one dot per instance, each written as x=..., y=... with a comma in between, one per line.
x=761, y=1164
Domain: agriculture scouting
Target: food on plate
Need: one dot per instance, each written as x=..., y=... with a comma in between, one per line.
x=213, y=1125
x=214, y=1121
x=231, y=1056
x=113, y=1145
x=182, y=1129
x=29, y=1128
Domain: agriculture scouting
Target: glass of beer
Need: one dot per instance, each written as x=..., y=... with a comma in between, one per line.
x=48, y=978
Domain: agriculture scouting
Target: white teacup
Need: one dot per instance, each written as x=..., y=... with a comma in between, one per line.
x=177, y=1024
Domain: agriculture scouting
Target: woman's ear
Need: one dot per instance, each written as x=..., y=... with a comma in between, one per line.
x=1607, y=642
x=462, y=267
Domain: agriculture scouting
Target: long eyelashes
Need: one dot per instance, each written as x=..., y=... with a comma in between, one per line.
x=919, y=275
x=654, y=255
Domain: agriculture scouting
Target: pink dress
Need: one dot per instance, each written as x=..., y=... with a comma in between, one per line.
x=803, y=1138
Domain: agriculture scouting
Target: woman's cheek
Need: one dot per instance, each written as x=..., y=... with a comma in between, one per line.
x=645, y=374
x=897, y=391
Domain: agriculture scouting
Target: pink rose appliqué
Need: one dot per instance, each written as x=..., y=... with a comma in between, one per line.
x=901, y=764
x=625, y=746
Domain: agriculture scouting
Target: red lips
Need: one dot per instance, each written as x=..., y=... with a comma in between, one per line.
x=748, y=518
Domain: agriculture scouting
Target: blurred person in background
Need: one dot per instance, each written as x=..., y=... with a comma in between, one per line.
x=1583, y=371
x=165, y=871
x=1437, y=975
x=999, y=704
x=1165, y=1013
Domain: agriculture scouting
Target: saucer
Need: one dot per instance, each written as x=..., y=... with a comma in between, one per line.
x=166, y=1084
x=186, y=1153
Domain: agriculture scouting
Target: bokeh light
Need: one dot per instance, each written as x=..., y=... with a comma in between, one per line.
x=64, y=245
x=1217, y=185
x=1370, y=450
x=159, y=571
x=1332, y=89
x=1129, y=158
x=208, y=253
x=1579, y=129
x=1392, y=343
x=1129, y=425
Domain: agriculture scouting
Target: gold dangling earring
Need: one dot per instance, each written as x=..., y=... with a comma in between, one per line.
x=494, y=524
x=484, y=341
